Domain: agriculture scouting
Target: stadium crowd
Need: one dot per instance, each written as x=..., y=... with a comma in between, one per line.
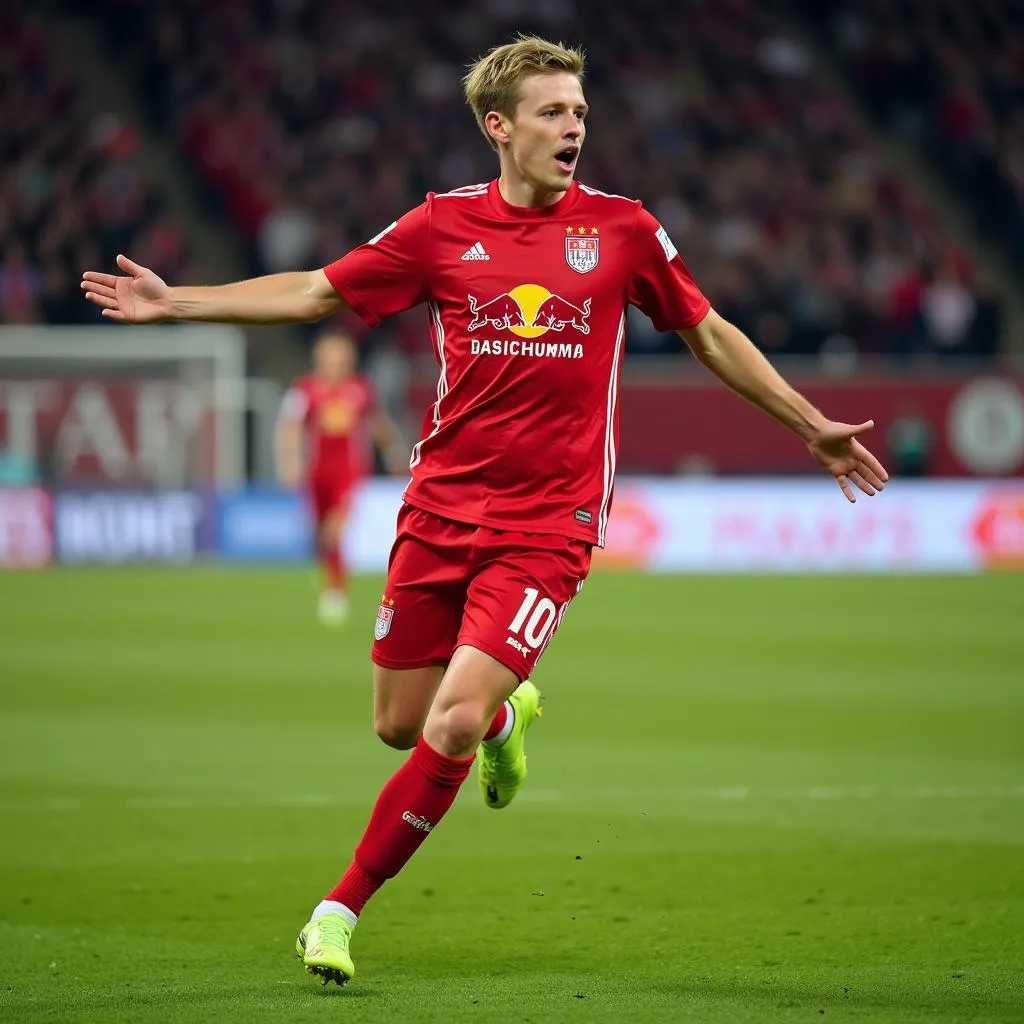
x=949, y=77
x=71, y=193
x=312, y=125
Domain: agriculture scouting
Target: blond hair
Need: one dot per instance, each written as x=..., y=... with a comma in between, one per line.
x=493, y=81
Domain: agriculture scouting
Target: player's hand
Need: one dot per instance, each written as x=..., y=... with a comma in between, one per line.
x=290, y=477
x=136, y=297
x=837, y=449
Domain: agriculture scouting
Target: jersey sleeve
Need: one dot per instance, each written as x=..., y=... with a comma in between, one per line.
x=295, y=404
x=661, y=285
x=389, y=273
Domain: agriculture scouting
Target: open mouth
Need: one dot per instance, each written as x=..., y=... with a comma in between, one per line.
x=566, y=159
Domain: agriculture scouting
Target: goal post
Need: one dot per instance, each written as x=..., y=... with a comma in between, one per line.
x=160, y=406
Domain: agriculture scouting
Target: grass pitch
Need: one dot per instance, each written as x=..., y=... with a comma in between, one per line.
x=751, y=800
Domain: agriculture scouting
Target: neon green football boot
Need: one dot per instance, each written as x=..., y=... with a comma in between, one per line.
x=323, y=947
x=502, y=770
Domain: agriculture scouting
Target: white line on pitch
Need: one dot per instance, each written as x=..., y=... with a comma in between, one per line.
x=724, y=794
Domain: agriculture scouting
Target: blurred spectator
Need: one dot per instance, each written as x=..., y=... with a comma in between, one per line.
x=286, y=235
x=308, y=134
x=69, y=182
x=949, y=77
x=947, y=309
x=20, y=287
x=311, y=138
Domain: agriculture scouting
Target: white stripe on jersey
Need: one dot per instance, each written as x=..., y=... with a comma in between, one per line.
x=609, y=436
x=442, y=380
x=465, y=190
x=607, y=195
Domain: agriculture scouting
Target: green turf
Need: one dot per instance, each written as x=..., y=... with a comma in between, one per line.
x=751, y=800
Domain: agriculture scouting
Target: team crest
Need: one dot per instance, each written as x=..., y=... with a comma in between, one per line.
x=385, y=616
x=582, y=253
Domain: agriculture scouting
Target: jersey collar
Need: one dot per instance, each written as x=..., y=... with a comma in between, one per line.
x=506, y=209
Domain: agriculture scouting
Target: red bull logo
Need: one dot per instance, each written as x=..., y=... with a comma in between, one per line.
x=555, y=314
x=529, y=311
x=504, y=313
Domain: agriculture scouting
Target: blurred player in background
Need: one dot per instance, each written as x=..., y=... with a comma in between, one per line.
x=328, y=420
x=527, y=280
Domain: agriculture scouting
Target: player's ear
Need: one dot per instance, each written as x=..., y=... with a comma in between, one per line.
x=497, y=126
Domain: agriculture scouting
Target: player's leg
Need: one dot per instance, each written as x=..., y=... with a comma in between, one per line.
x=514, y=606
x=417, y=623
x=507, y=621
x=475, y=685
x=329, y=538
x=321, y=499
x=421, y=792
x=401, y=700
x=333, y=603
x=418, y=620
x=410, y=805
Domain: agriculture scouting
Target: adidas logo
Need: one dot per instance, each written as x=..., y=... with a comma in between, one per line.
x=476, y=252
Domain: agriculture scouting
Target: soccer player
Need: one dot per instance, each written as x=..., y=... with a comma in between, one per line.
x=327, y=420
x=526, y=280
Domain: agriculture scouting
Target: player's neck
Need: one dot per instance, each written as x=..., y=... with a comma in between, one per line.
x=517, y=191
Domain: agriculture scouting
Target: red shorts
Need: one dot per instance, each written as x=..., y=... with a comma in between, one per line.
x=449, y=584
x=331, y=493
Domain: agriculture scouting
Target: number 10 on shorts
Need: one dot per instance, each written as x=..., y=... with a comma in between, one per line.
x=535, y=618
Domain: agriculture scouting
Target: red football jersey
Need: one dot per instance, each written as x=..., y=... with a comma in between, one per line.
x=527, y=311
x=335, y=417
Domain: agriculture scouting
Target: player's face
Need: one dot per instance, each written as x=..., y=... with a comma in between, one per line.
x=547, y=132
x=334, y=358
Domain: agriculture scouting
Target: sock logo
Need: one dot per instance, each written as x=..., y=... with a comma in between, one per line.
x=416, y=821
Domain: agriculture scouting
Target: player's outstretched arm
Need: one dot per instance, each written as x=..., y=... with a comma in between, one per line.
x=138, y=296
x=725, y=350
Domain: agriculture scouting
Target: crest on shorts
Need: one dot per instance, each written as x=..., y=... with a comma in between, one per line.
x=582, y=251
x=385, y=616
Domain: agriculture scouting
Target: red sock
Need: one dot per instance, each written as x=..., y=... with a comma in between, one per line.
x=497, y=722
x=411, y=803
x=334, y=567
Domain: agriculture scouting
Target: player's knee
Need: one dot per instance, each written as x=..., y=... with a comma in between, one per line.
x=456, y=729
x=397, y=734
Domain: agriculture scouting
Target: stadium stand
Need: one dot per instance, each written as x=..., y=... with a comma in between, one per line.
x=948, y=77
x=309, y=126
x=70, y=190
